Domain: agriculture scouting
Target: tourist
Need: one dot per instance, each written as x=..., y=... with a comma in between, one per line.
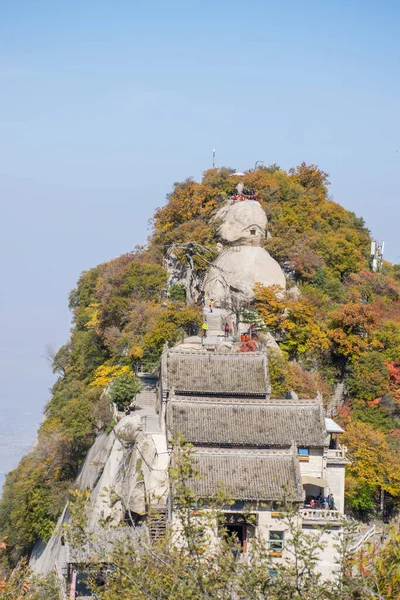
x=237, y=547
x=227, y=329
x=331, y=502
x=204, y=328
x=211, y=305
x=312, y=503
x=195, y=329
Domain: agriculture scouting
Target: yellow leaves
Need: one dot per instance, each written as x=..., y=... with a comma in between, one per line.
x=270, y=305
x=104, y=374
x=373, y=461
x=93, y=314
x=295, y=318
x=136, y=352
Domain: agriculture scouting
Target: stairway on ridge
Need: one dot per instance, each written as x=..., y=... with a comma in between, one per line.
x=214, y=322
x=157, y=522
x=147, y=397
x=216, y=325
x=337, y=399
x=146, y=402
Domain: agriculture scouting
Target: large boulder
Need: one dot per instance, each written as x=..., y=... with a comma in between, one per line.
x=242, y=223
x=237, y=270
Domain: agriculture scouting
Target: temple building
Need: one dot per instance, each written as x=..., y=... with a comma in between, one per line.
x=264, y=451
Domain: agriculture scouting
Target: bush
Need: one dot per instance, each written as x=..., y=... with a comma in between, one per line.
x=177, y=292
x=123, y=389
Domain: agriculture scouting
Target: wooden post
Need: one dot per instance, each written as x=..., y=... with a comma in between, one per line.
x=73, y=586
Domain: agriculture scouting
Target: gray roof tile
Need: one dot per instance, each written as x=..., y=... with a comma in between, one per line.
x=238, y=374
x=271, y=423
x=253, y=477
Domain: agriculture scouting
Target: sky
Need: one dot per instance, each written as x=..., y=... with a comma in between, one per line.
x=104, y=105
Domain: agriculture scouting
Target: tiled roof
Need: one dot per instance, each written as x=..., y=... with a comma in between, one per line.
x=257, y=477
x=271, y=423
x=238, y=374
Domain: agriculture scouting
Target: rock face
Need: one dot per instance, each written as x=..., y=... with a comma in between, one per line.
x=243, y=262
x=236, y=271
x=242, y=223
x=120, y=469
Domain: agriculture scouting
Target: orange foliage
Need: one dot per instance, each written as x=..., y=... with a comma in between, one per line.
x=394, y=377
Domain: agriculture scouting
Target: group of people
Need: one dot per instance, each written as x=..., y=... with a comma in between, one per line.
x=322, y=502
x=204, y=329
x=245, y=194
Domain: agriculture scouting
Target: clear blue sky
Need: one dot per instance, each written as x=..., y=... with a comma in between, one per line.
x=103, y=105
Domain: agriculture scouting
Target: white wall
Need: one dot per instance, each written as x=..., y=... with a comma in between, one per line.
x=315, y=465
x=266, y=523
x=335, y=474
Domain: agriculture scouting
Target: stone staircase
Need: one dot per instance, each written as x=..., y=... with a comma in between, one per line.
x=146, y=402
x=216, y=324
x=157, y=522
x=214, y=321
x=336, y=400
x=147, y=397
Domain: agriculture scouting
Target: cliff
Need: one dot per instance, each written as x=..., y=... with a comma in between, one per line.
x=336, y=322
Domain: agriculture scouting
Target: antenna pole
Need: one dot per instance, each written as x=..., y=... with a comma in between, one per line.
x=213, y=158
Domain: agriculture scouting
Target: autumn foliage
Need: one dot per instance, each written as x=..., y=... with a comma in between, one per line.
x=337, y=322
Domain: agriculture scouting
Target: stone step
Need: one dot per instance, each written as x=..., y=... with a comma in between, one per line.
x=146, y=399
x=214, y=321
x=157, y=522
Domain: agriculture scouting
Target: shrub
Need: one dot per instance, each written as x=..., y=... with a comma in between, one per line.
x=177, y=292
x=124, y=388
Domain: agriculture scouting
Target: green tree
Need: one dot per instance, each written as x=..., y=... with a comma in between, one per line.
x=177, y=292
x=124, y=388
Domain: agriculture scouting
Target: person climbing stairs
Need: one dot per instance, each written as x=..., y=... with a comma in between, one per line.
x=216, y=325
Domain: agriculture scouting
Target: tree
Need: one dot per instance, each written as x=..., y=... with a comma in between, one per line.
x=294, y=319
x=124, y=388
x=351, y=328
x=310, y=177
x=373, y=464
x=368, y=376
x=177, y=292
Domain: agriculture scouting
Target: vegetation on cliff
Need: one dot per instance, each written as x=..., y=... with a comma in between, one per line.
x=344, y=325
x=144, y=567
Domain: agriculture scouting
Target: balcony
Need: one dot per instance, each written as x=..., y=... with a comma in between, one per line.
x=312, y=516
x=337, y=455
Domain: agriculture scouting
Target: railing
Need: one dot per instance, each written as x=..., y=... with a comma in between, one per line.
x=338, y=453
x=311, y=514
x=61, y=581
x=364, y=539
x=145, y=368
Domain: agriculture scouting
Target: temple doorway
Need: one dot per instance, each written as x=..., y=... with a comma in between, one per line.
x=238, y=527
x=234, y=532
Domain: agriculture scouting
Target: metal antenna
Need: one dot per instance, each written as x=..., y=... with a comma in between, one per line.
x=213, y=158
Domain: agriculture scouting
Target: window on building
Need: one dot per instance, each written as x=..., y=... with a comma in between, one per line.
x=252, y=232
x=276, y=540
x=303, y=451
x=273, y=572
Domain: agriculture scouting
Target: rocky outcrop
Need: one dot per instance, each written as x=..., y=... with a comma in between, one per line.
x=125, y=470
x=242, y=262
x=242, y=223
x=236, y=271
